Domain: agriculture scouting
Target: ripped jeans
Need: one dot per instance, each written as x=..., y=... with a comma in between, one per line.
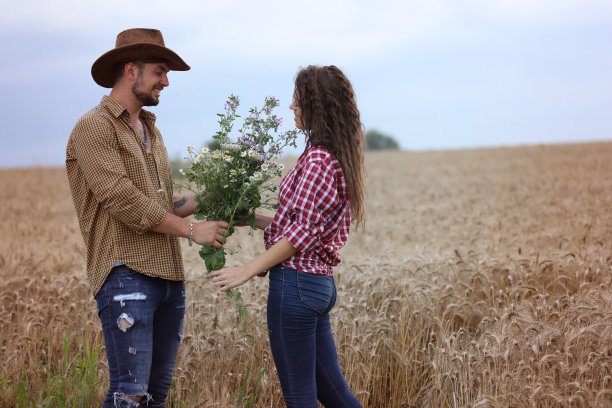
x=142, y=321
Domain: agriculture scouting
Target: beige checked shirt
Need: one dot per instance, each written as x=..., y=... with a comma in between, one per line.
x=120, y=193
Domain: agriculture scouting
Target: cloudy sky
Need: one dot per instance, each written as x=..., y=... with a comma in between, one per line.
x=434, y=74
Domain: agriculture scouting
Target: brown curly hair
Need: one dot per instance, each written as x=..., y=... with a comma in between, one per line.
x=329, y=112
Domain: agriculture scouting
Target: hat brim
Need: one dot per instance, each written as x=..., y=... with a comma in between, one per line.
x=103, y=71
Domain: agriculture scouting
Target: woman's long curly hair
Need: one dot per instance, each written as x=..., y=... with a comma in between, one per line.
x=329, y=112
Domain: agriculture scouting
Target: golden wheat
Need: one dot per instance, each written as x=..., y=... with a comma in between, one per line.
x=483, y=278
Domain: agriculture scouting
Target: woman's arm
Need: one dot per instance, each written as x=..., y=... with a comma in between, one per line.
x=262, y=221
x=228, y=278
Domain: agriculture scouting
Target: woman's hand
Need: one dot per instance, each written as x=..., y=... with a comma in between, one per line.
x=230, y=277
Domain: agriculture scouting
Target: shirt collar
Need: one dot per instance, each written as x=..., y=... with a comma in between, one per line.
x=116, y=109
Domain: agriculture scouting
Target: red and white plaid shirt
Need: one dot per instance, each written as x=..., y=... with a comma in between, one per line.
x=314, y=212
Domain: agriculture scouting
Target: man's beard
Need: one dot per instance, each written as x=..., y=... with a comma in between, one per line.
x=144, y=98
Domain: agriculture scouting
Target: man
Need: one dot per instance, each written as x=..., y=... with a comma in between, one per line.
x=120, y=179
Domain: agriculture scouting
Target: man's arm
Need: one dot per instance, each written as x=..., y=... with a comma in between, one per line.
x=107, y=178
x=184, y=204
x=204, y=232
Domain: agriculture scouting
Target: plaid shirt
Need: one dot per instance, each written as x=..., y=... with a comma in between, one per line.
x=314, y=212
x=120, y=193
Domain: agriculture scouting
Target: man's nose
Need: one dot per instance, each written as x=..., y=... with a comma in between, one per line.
x=164, y=80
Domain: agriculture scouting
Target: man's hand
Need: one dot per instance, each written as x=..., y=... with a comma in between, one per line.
x=210, y=232
x=205, y=232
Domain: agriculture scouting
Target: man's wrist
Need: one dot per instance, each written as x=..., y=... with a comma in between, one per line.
x=190, y=238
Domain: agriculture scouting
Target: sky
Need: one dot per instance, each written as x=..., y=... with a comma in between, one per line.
x=432, y=74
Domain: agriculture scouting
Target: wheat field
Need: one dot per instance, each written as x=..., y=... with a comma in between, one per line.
x=483, y=278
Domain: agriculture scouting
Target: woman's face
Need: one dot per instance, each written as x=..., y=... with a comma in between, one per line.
x=295, y=107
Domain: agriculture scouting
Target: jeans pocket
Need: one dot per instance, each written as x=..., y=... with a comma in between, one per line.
x=315, y=290
x=334, y=296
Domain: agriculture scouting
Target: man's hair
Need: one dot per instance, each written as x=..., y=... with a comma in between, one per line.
x=140, y=63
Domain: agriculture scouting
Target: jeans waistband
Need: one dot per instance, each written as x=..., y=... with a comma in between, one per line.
x=290, y=274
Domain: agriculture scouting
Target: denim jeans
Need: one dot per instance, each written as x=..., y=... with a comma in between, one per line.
x=302, y=342
x=142, y=321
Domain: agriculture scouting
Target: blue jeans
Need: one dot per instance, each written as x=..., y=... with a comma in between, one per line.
x=142, y=321
x=302, y=341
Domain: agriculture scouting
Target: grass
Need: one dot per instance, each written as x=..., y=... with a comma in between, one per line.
x=71, y=382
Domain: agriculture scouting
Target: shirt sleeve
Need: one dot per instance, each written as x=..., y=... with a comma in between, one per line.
x=315, y=195
x=97, y=153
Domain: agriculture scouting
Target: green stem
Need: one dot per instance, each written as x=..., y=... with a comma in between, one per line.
x=244, y=191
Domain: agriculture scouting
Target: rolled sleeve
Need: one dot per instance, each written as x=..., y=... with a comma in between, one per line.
x=97, y=153
x=151, y=217
x=314, y=196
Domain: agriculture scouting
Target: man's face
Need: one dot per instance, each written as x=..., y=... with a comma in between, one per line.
x=151, y=79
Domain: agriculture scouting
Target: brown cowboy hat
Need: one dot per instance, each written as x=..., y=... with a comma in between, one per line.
x=134, y=44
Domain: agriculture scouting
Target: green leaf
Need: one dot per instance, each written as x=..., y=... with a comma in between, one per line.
x=207, y=250
x=213, y=259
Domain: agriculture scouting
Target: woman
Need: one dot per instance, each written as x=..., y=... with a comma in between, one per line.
x=303, y=239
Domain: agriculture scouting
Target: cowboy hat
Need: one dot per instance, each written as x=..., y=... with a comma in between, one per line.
x=131, y=45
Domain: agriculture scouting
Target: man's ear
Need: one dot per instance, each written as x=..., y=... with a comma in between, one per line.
x=130, y=71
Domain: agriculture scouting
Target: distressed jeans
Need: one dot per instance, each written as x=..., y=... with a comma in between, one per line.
x=302, y=342
x=142, y=321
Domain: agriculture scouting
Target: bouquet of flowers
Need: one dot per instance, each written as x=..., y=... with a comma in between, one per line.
x=234, y=179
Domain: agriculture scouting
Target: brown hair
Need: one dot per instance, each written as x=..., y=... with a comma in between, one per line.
x=140, y=63
x=329, y=112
